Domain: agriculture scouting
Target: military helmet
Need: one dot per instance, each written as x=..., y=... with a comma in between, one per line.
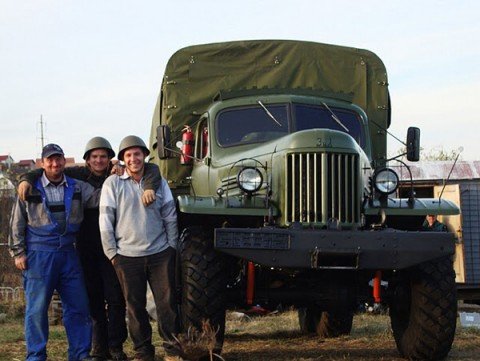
x=129, y=142
x=98, y=143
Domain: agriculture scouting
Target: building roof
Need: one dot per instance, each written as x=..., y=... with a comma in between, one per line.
x=5, y=157
x=26, y=162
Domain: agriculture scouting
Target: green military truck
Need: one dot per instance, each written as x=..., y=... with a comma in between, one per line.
x=276, y=153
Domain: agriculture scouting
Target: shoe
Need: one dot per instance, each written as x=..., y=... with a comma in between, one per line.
x=117, y=355
x=99, y=354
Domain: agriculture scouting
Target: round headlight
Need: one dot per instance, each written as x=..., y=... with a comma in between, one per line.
x=250, y=180
x=386, y=181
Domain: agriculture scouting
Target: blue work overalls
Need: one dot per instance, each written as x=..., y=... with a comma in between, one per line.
x=53, y=264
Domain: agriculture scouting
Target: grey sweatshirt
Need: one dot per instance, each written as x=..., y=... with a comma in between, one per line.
x=130, y=229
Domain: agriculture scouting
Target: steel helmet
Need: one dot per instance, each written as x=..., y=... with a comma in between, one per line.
x=129, y=142
x=98, y=143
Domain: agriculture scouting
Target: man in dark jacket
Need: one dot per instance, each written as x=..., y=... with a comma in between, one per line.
x=433, y=225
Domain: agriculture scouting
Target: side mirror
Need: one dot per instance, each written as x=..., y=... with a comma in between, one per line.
x=413, y=144
x=163, y=142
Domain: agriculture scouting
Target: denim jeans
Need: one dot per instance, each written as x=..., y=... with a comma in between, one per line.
x=107, y=305
x=159, y=271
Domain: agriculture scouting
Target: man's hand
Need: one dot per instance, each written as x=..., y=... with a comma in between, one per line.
x=21, y=262
x=117, y=169
x=148, y=197
x=114, y=260
x=24, y=189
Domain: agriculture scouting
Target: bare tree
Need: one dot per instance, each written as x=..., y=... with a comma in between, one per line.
x=438, y=153
x=9, y=275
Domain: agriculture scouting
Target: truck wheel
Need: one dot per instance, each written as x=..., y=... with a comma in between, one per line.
x=423, y=311
x=203, y=284
x=327, y=324
x=306, y=318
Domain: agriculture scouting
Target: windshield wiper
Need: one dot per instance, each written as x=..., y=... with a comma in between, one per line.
x=268, y=113
x=334, y=117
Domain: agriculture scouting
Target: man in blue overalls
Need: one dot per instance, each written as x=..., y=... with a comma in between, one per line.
x=43, y=232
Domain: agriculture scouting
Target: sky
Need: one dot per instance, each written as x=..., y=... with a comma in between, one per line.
x=94, y=68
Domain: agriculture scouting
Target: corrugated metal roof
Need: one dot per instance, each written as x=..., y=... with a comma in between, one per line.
x=438, y=170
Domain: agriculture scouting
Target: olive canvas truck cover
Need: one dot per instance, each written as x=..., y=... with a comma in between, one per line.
x=195, y=75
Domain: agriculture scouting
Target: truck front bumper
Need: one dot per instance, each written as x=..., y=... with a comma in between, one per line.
x=324, y=249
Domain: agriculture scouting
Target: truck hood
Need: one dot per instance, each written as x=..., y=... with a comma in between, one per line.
x=311, y=140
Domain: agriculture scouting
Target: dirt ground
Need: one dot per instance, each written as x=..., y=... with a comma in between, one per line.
x=275, y=337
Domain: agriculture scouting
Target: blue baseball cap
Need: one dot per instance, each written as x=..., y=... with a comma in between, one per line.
x=51, y=149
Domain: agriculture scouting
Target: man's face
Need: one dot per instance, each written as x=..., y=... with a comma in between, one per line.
x=98, y=161
x=134, y=160
x=54, y=166
x=431, y=219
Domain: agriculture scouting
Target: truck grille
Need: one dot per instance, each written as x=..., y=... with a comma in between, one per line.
x=321, y=187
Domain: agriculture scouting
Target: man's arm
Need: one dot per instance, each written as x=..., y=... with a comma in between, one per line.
x=77, y=172
x=168, y=212
x=151, y=182
x=32, y=176
x=107, y=219
x=152, y=178
x=16, y=239
x=26, y=182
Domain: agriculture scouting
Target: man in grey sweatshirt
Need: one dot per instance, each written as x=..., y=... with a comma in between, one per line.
x=141, y=243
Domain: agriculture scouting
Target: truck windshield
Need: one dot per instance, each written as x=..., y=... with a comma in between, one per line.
x=261, y=123
x=252, y=125
x=318, y=116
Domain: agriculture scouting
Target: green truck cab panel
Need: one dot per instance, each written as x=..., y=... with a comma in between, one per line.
x=233, y=206
x=420, y=207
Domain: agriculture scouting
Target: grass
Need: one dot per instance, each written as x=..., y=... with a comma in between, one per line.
x=275, y=337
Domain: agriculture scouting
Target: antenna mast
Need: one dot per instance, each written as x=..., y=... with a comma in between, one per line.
x=42, y=139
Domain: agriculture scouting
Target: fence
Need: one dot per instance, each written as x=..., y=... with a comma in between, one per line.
x=11, y=294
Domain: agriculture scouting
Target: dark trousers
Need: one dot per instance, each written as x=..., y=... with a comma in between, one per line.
x=159, y=271
x=107, y=305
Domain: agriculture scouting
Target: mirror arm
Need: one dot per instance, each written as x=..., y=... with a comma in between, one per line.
x=396, y=157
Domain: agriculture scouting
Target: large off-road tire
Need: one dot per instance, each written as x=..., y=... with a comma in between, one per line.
x=306, y=319
x=423, y=311
x=203, y=284
x=326, y=324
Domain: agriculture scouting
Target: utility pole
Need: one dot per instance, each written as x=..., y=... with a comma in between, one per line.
x=42, y=139
x=42, y=125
